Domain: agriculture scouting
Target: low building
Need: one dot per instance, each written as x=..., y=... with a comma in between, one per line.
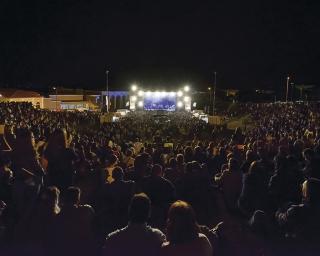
x=37, y=100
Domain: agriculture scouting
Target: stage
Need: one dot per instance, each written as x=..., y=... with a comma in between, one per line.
x=160, y=100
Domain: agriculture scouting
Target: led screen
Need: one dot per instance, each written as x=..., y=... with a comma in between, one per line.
x=160, y=101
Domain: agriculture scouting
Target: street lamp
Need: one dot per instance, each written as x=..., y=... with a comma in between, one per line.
x=55, y=88
x=210, y=96
x=288, y=79
x=214, y=93
x=292, y=88
x=107, y=85
x=134, y=87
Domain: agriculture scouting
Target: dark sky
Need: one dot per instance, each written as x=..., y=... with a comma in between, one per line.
x=168, y=43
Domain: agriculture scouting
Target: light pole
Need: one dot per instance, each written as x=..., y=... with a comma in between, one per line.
x=292, y=88
x=287, y=92
x=55, y=88
x=210, y=96
x=107, y=81
x=214, y=93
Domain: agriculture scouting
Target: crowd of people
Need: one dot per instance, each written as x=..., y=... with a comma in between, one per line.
x=159, y=183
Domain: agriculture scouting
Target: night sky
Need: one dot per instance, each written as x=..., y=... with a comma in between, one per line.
x=251, y=44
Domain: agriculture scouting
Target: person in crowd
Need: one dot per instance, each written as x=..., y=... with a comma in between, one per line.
x=84, y=177
x=3, y=226
x=183, y=233
x=199, y=155
x=140, y=170
x=128, y=160
x=60, y=159
x=172, y=173
x=73, y=229
x=284, y=185
x=237, y=137
x=137, y=238
x=230, y=182
x=311, y=164
x=117, y=197
x=216, y=162
x=113, y=161
x=188, y=154
x=254, y=194
x=28, y=173
x=250, y=157
x=6, y=180
x=161, y=193
x=180, y=163
x=33, y=234
x=302, y=220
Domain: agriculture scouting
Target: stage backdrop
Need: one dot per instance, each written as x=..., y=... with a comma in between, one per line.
x=154, y=101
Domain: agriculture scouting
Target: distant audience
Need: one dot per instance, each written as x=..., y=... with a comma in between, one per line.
x=160, y=183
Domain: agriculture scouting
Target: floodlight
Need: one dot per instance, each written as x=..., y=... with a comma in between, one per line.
x=172, y=94
x=186, y=88
x=134, y=87
x=132, y=106
x=140, y=93
x=148, y=93
x=163, y=93
x=140, y=104
x=157, y=94
x=179, y=104
x=133, y=98
x=194, y=104
x=186, y=98
x=179, y=93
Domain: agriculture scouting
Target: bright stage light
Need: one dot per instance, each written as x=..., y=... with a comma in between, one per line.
x=179, y=104
x=179, y=93
x=186, y=88
x=157, y=94
x=186, y=98
x=172, y=94
x=140, y=104
x=134, y=87
x=163, y=94
x=194, y=104
x=148, y=93
x=133, y=98
x=140, y=93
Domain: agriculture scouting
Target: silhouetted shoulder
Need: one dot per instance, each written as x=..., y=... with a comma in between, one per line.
x=87, y=209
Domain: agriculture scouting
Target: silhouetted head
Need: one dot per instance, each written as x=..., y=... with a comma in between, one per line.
x=72, y=196
x=139, y=209
x=182, y=226
x=156, y=170
x=311, y=192
x=117, y=173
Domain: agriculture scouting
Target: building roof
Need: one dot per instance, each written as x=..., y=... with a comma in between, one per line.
x=17, y=93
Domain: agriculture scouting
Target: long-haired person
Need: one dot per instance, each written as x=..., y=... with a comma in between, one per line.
x=60, y=160
x=33, y=233
x=27, y=171
x=183, y=233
